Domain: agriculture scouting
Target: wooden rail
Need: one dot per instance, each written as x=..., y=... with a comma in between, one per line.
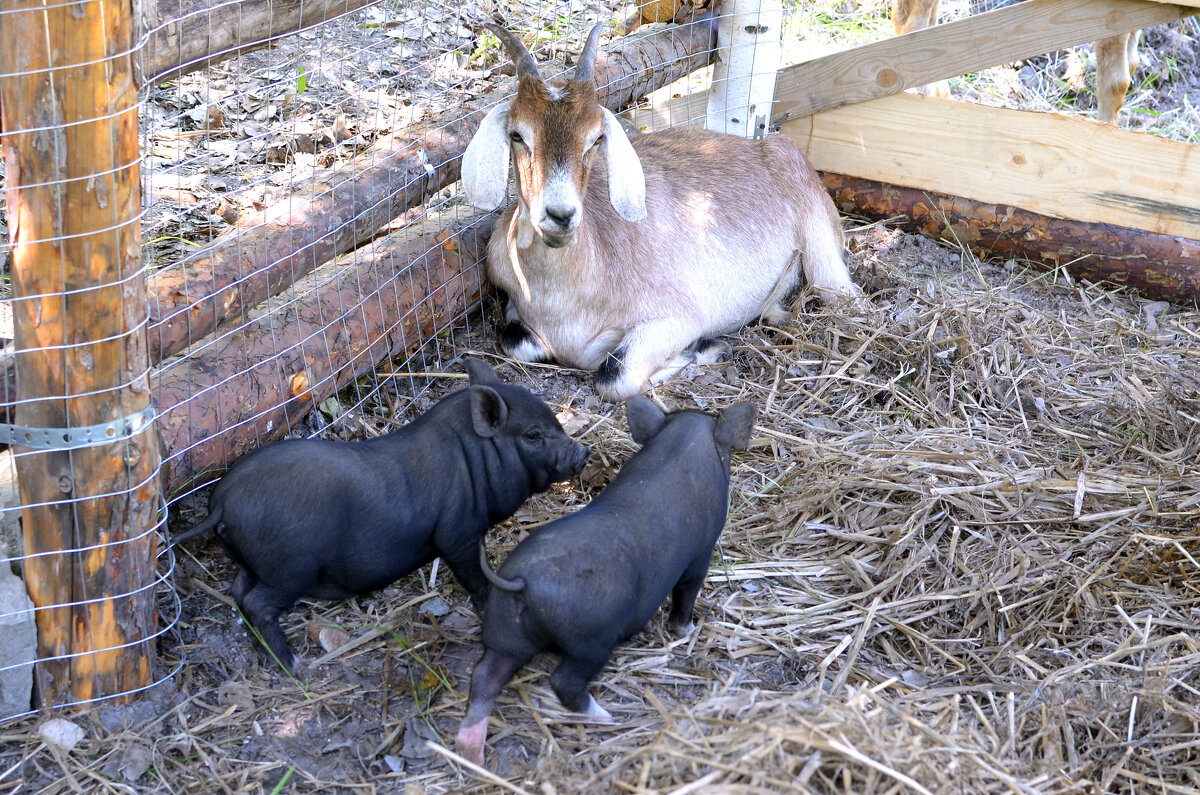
x=1049, y=163
x=967, y=45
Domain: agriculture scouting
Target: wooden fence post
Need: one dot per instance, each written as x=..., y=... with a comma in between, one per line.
x=70, y=133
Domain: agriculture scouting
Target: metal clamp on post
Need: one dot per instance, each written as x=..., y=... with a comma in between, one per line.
x=74, y=438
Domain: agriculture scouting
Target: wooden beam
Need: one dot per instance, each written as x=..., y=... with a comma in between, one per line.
x=70, y=138
x=1048, y=163
x=967, y=45
x=1158, y=266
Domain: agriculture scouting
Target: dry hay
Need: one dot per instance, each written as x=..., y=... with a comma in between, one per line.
x=959, y=559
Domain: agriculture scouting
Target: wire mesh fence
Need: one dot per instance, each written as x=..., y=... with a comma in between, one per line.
x=80, y=432
x=307, y=265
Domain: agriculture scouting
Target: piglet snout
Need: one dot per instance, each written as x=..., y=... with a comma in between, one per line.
x=582, y=453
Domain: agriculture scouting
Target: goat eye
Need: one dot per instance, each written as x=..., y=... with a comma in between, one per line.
x=599, y=140
x=515, y=137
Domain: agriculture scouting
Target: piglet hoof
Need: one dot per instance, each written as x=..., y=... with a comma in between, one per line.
x=682, y=630
x=470, y=740
x=297, y=667
x=597, y=714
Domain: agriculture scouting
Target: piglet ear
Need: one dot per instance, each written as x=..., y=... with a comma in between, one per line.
x=480, y=372
x=488, y=411
x=485, y=163
x=645, y=418
x=734, y=426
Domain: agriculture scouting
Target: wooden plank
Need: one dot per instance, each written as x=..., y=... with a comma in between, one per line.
x=968, y=45
x=1048, y=163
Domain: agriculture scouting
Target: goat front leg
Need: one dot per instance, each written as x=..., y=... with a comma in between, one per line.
x=910, y=15
x=1116, y=61
x=651, y=352
x=518, y=341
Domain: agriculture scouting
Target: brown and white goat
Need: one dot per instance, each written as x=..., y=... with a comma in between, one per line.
x=628, y=258
x=1116, y=57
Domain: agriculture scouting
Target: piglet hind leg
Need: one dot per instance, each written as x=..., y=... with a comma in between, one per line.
x=683, y=599
x=242, y=584
x=262, y=606
x=491, y=674
x=570, y=680
x=463, y=560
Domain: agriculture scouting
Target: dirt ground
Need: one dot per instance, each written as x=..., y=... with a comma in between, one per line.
x=960, y=554
x=958, y=560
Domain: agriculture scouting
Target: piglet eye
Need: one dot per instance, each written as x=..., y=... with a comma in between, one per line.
x=534, y=436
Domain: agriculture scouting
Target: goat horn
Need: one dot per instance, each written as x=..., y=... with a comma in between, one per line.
x=520, y=56
x=586, y=65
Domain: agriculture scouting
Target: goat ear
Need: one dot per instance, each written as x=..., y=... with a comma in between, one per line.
x=488, y=411
x=645, y=418
x=626, y=182
x=734, y=426
x=480, y=372
x=485, y=163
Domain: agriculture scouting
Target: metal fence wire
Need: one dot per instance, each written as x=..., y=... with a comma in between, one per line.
x=307, y=265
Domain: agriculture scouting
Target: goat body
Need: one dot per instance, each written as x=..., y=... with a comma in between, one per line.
x=628, y=262
x=726, y=220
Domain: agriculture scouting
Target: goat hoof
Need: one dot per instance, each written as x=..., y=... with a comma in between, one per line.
x=519, y=342
x=710, y=350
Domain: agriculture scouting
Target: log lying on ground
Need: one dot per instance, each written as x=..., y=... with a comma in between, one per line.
x=186, y=35
x=266, y=252
x=252, y=386
x=1158, y=266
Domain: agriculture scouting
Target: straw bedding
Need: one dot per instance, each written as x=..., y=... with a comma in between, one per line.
x=961, y=557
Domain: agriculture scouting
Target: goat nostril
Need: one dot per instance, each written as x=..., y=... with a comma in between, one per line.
x=560, y=216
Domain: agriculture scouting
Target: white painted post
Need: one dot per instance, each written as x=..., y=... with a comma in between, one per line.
x=749, y=50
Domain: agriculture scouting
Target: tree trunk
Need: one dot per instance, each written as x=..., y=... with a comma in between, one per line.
x=70, y=126
x=1158, y=266
x=252, y=386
